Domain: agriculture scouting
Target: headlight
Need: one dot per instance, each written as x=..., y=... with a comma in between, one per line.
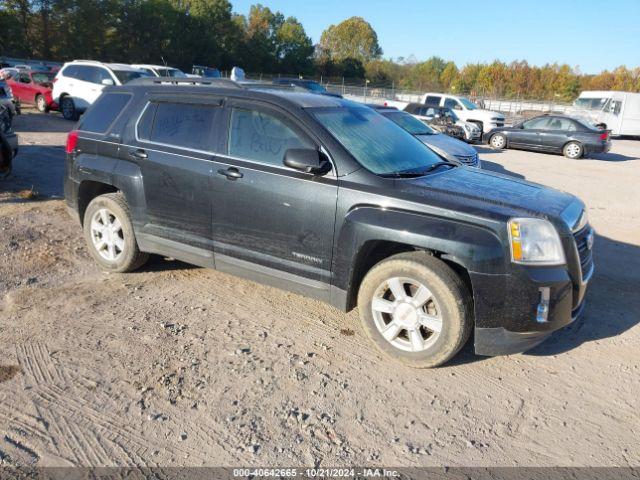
x=535, y=241
x=467, y=127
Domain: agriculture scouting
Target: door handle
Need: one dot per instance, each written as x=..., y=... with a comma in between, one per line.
x=138, y=154
x=231, y=173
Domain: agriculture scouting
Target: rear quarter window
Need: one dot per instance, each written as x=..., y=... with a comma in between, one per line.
x=104, y=112
x=182, y=125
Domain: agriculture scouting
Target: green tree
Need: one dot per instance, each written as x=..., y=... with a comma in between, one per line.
x=353, y=38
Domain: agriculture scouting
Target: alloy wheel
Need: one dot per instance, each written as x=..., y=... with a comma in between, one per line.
x=107, y=234
x=41, y=103
x=573, y=150
x=497, y=141
x=407, y=314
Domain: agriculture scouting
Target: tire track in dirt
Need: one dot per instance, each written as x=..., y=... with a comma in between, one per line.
x=83, y=434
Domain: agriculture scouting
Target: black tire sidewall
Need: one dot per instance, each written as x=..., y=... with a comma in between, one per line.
x=449, y=296
x=73, y=111
x=128, y=258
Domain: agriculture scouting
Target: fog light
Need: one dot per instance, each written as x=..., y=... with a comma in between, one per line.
x=542, y=312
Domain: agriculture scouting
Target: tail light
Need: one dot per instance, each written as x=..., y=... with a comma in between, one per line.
x=72, y=141
x=604, y=136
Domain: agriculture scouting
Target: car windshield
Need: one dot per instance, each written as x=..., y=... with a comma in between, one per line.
x=469, y=105
x=377, y=143
x=42, y=77
x=170, y=72
x=591, y=103
x=410, y=123
x=125, y=76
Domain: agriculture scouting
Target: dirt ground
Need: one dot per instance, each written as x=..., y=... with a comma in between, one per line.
x=178, y=365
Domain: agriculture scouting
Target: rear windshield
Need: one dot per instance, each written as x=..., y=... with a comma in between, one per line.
x=104, y=112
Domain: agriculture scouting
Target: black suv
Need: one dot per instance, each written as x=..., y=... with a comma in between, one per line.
x=328, y=198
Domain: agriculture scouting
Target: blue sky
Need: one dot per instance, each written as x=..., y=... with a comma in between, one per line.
x=594, y=35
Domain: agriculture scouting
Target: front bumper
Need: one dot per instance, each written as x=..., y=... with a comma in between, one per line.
x=500, y=341
x=507, y=307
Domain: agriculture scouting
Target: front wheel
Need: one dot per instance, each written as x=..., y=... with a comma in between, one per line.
x=109, y=234
x=415, y=309
x=498, y=141
x=573, y=150
x=41, y=103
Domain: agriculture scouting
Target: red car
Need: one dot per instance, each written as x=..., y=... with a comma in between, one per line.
x=33, y=88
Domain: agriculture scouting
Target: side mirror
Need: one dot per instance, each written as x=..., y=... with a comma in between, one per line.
x=107, y=81
x=306, y=160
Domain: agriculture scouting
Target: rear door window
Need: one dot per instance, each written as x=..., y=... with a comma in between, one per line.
x=104, y=112
x=184, y=125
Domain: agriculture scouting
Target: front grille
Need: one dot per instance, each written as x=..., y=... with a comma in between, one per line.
x=471, y=160
x=585, y=254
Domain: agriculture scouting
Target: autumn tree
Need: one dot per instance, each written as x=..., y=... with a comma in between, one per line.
x=351, y=42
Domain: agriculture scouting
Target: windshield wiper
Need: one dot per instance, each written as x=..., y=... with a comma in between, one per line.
x=417, y=174
x=439, y=164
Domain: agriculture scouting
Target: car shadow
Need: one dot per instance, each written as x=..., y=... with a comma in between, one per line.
x=610, y=157
x=158, y=263
x=612, y=304
x=38, y=169
x=33, y=121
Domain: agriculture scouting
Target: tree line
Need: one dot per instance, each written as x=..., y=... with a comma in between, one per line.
x=186, y=32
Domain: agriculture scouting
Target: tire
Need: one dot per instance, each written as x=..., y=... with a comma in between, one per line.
x=68, y=108
x=381, y=313
x=573, y=150
x=41, y=103
x=498, y=141
x=115, y=250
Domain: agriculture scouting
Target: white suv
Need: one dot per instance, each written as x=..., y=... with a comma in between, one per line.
x=79, y=83
x=466, y=110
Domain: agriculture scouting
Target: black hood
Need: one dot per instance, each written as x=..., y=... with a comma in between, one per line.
x=488, y=194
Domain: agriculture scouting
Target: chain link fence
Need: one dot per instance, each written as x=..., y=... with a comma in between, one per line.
x=515, y=109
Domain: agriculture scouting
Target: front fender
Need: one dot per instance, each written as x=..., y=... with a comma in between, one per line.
x=475, y=247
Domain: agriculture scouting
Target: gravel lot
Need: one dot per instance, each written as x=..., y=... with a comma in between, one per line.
x=186, y=366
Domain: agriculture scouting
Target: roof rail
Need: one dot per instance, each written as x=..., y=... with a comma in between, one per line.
x=211, y=82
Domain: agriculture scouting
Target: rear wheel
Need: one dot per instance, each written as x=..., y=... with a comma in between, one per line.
x=415, y=309
x=573, y=150
x=498, y=141
x=68, y=108
x=109, y=234
x=41, y=103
